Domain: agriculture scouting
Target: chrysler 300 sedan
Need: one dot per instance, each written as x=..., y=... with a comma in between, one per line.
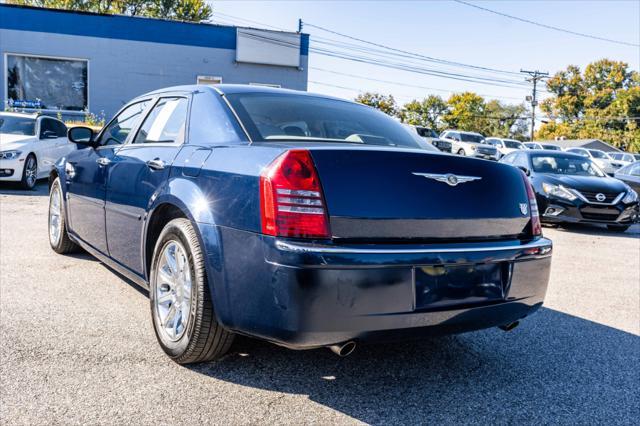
x=296, y=218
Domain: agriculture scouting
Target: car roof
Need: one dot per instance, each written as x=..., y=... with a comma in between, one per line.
x=228, y=89
x=464, y=131
x=33, y=115
x=549, y=153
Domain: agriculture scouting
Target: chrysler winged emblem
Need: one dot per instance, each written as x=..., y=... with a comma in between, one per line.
x=448, y=178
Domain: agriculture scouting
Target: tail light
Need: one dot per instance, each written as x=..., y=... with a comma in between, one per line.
x=536, y=226
x=291, y=199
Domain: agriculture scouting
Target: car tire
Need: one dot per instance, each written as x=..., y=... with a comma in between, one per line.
x=29, y=172
x=618, y=228
x=181, y=307
x=462, y=152
x=57, y=225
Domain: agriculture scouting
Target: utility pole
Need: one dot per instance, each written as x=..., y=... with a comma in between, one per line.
x=300, y=23
x=535, y=77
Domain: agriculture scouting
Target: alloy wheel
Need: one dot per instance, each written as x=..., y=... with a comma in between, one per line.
x=55, y=212
x=173, y=290
x=31, y=171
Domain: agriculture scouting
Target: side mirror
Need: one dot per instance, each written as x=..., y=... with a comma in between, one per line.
x=48, y=134
x=525, y=170
x=81, y=135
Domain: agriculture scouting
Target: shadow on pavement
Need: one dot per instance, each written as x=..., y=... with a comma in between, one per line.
x=10, y=188
x=553, y=368
x=600, y=230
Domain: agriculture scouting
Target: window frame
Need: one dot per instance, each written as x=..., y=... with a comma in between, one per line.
x=5, y=65
x=117, y=114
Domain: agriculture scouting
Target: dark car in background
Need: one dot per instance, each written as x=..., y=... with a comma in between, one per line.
x=300, y=219
x=572, y=188
x=630, y=174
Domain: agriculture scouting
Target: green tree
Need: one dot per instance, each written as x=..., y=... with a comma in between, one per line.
x=427, y=113
x=603, y=103
x=384, y=103
x=465, y=112
x=182, y=10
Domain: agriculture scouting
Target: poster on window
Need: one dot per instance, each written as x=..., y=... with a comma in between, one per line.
x=46, y=83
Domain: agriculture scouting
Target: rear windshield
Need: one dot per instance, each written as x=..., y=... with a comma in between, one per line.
x=552, y=147
x=278, y=116
x=513, y=144
x=561, y=165
x=17, y=125
x=598, y=154
x=467, y=137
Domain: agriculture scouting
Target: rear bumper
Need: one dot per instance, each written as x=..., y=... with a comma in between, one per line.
x=306, y=296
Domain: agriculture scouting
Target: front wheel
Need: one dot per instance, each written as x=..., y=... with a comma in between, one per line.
x=58, y=235
x=181, y=308
x=461, y=152
x=618, y=228
x=29, y=172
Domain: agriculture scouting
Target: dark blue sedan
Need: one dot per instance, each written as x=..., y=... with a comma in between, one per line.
x=300, y=219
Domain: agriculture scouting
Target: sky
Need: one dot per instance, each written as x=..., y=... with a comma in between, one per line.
x=451, y=31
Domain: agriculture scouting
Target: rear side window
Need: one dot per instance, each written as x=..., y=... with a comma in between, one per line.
x=211, y=121
x=166, y=123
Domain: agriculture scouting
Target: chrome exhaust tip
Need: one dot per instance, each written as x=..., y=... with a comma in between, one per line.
x=343, y=349
x=509, y=327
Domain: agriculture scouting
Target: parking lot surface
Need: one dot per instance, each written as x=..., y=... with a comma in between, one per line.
x=77, y=346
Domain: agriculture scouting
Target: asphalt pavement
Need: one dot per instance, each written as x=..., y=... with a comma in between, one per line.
x=77, y=347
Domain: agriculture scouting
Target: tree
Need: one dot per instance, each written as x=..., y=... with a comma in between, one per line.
x=182, y=10
x=427, y=113
x=603, y=103
x=465, y=112
x=386, y=104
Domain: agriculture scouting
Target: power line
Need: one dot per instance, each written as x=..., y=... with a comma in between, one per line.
x=535, y=77
x=550, y=27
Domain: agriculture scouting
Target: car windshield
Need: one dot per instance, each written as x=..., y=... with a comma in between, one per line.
x=513, y=144
x=14, y=125
x=636, y=156
x=561, y=165
x=598, y=154
x=552, y=147
x=426, y=133
x=470, y=137
x=279, y=116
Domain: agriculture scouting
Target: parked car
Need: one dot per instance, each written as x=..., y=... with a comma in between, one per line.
x=532, y=145
x=470, y=144
x=573, y=188
x=623, y=157
x=504, y=146
x=630, y=174
x=30, y=144
x=550, y=147
x=345, y=233
x=427, y=138
x=601, y=158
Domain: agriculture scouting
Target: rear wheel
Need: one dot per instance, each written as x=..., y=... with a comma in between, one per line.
x=58, y=236
x=181, y=308
x=618, y=228
x=29, y=172
x=461, y=152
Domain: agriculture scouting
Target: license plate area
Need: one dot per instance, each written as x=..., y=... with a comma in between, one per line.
x=442, y=286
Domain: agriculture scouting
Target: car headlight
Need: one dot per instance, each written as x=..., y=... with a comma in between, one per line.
x=630, y=197
x=9, y=155
x=558, y=191
x=473, y=147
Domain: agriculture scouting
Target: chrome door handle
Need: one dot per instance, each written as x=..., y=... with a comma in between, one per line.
x=103, y=161
x=155, y=164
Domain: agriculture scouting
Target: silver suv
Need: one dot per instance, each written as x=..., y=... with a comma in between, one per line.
x=470, y=144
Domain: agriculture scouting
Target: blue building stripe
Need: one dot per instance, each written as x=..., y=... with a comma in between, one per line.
x=122, y=27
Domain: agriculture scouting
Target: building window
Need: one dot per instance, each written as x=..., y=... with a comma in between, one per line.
x=35, y=82
x=209, y=80
x=277, y=86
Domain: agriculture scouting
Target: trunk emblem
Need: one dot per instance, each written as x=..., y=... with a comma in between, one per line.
x=524, y=208
x=448, y=178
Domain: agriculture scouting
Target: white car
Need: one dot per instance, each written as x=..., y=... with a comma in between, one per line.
x=623, y=157
x=533, y=145
x=470, y=144
x=30, y=144
x=601, y=158
x=505, y=146
x=422, y=142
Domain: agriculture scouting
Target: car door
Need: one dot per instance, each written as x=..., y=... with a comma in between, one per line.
x=138, y=171
x=86, y=177
x=46, y=146
x=63, y=146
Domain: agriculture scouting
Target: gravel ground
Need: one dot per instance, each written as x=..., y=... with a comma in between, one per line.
x=77, y=346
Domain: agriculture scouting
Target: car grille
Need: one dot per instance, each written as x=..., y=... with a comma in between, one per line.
x=591, y=196
x=485, y=151
x=599, y=213
x=442, y=145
